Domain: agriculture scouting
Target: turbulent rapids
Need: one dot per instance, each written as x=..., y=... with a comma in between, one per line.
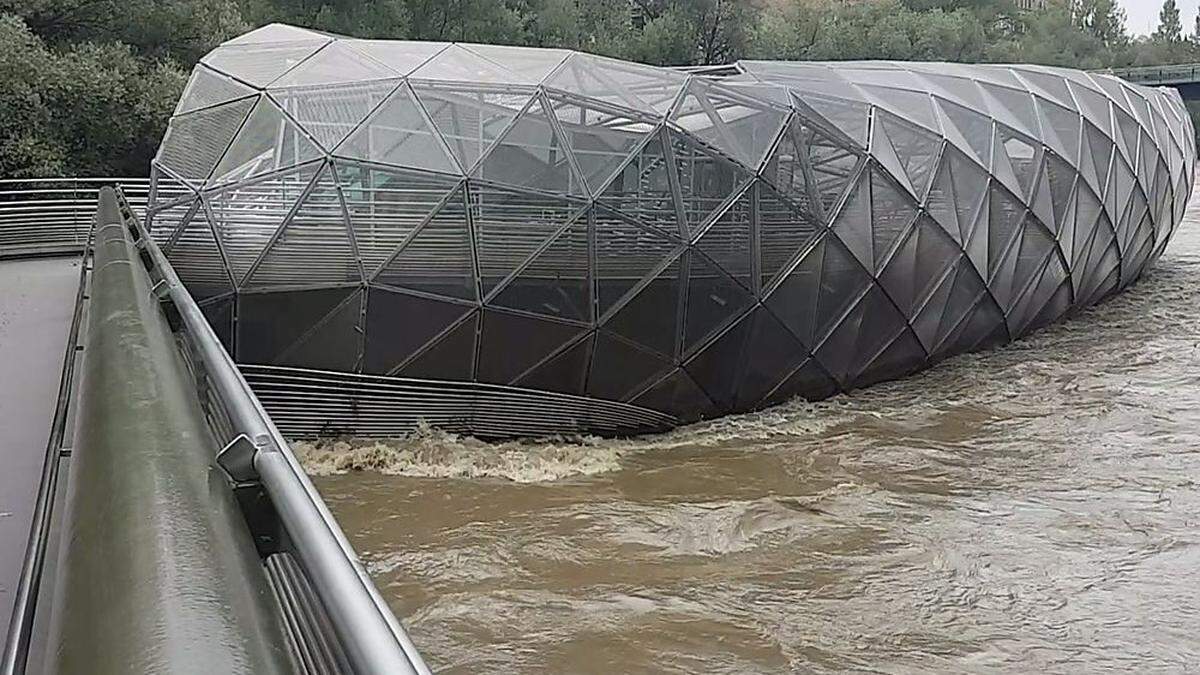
x=506, y=241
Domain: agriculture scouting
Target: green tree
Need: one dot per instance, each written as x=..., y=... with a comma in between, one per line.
x=1103, y=20
x=1169, y=30
x=375, y=19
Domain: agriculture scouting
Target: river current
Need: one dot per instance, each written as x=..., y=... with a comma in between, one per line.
x=1034, y=508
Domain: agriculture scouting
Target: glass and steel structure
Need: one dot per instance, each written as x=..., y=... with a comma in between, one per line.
x=678, y=244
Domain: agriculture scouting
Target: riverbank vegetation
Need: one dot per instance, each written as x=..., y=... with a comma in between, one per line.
x=86, y=86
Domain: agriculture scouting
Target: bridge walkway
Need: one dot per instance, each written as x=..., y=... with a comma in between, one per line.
x=37, y=304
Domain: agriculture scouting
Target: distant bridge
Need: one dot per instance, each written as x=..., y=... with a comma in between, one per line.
x=1184, y=76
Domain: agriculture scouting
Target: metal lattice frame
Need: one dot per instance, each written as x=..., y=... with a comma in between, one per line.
x=689, y=243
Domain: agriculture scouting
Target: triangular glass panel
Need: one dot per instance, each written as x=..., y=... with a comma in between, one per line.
x=450, y=357
x=600, y=139
x=247, y=216
x=809, y=381
x=1127, y=131
x=314, y=247
x=1093, y=105
x=399, y=134
x=219, y=314
x=268, y=323
x=891, y=213
x=784, y=230
x=885, y=154
x=565, y=373
x=852, y=224
x=641, y=190
x=961, y=90
x=1028, y=259
x=335, y=64
x=1004, y=224
x=277, y=32
x=917, y=149
x=532, y=62
x=910, y=105
x=456, y=63
x=206, y=87
x=510, y=226
x=1036, y=294
x=333, y=344
x=789, y=169
x=329, y=113
x=719, y=367
x=902, y=356
x=1048, y=85
x=625, y=254
x=259, y=64
x=532, y=155
x=849, y=117
x=619, y=83
x=168, y=222
x=739, y=124
x=946, y=304
x=470, y=119
x=1021, y=158
x=393, y=333
x=1060, y=129
x=834, y=168
x=651, y=318
x=511, y=344
x=983, y=326
x=620, y=370
x=794, y=301
x=195, y=257
x=267, y=142
x=436, y=258
x=1041, y=204
x=1012, y=107
x=555, y=283
x=973, y=127
x=195, y=142
x=706, y=180
x=727, y=240
x=714, y=299
x=402, y=57
x=837, y=352
x=679, y=395
x=386, y=206
x=771, y=354
x=923, y=257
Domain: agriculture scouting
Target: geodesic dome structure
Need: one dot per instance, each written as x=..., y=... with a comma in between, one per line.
x=675, y=244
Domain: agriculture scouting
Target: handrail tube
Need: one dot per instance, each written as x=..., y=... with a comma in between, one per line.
x=158, y=571
x=372, y=638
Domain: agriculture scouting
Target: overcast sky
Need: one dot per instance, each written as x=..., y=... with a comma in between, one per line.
x=1141, y=16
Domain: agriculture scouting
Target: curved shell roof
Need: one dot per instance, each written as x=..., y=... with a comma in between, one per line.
x=692, y=243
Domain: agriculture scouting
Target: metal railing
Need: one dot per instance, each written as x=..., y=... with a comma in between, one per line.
x=255, y=451
x=1159, y=75
x=56, y=213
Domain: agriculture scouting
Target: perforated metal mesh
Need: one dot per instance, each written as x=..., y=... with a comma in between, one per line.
x=690, y=244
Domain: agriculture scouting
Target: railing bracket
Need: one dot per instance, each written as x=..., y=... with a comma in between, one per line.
x=236, y=459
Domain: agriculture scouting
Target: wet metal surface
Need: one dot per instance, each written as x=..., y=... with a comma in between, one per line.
x=157, y=572
x=37, y=301
x=1030, y=509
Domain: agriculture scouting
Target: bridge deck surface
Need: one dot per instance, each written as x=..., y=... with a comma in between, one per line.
x=37, y=302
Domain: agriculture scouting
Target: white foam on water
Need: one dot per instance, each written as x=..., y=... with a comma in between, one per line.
x=433, y=453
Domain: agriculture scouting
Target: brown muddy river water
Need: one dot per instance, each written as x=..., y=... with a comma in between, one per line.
x=1030, y=509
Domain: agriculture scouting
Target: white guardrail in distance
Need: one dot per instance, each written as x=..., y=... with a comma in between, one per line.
x=51, y=213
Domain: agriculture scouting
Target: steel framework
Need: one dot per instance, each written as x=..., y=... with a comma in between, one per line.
x=692, y=243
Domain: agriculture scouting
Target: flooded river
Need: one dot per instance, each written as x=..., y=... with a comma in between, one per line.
x=1033, y=508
